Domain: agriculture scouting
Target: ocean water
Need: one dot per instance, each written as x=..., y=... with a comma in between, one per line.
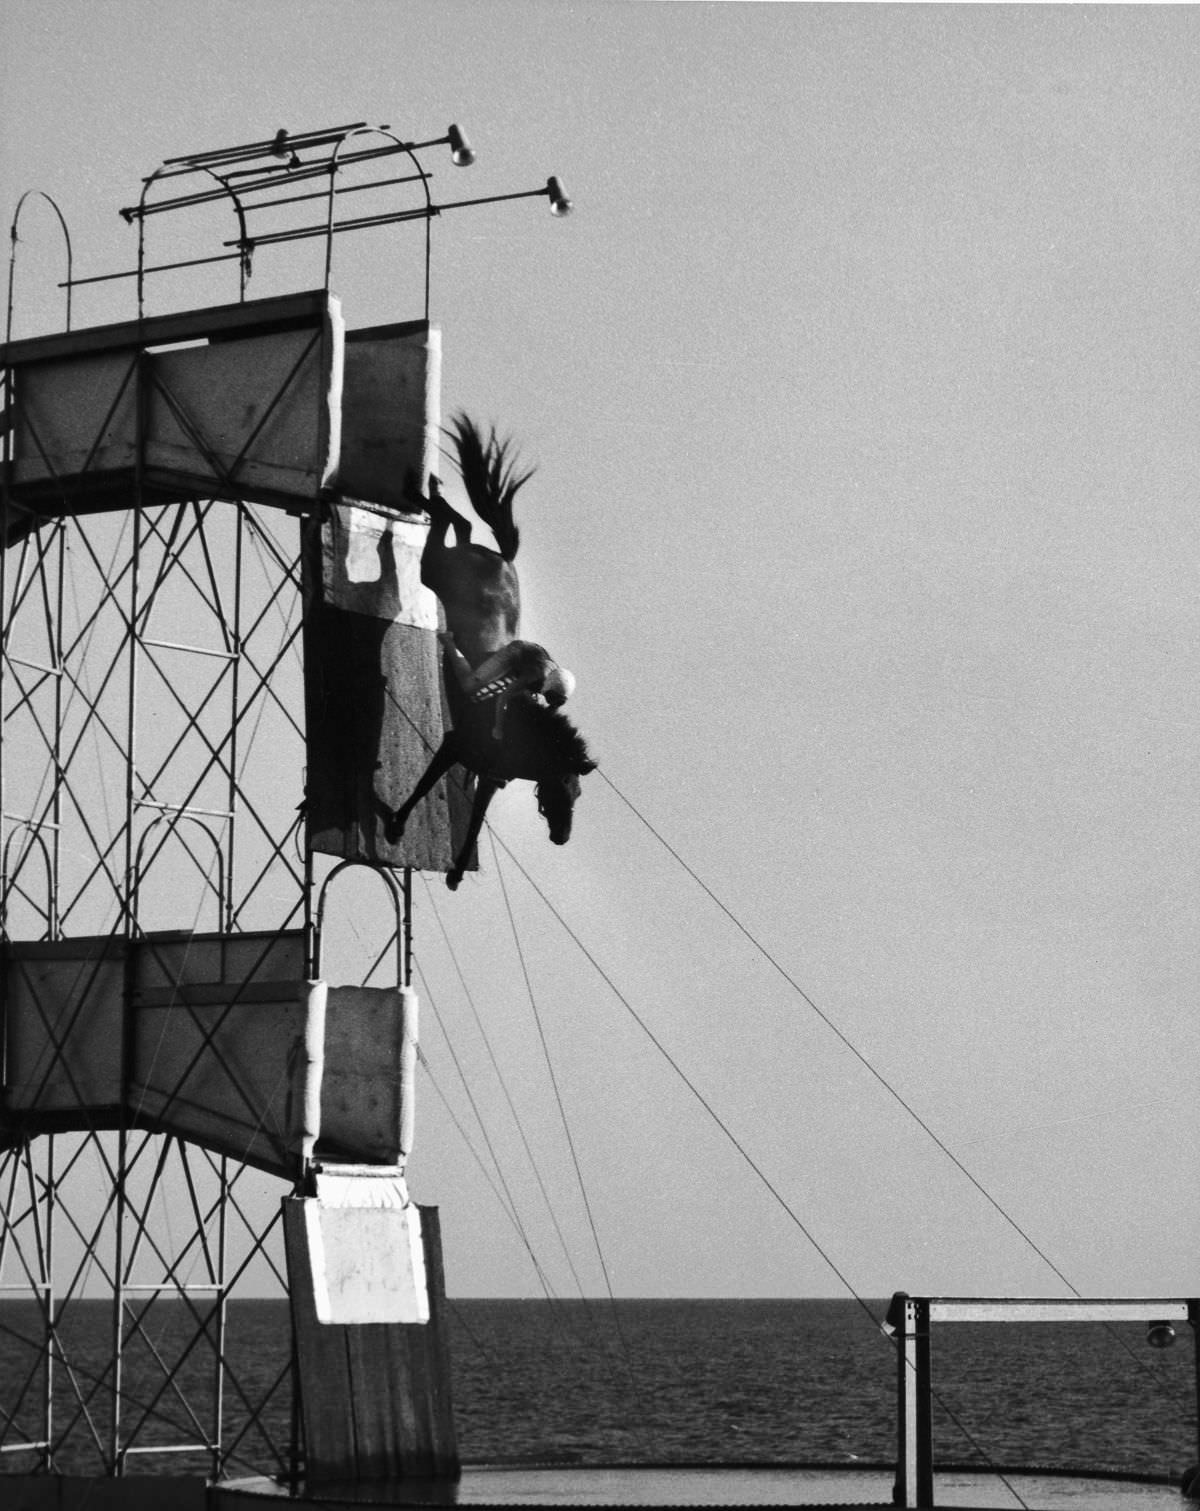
x=807, y=1382
x=656, y=1382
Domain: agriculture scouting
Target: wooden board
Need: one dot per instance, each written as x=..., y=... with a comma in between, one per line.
x=373, y=694
x=390, y=412
x=374, y=1397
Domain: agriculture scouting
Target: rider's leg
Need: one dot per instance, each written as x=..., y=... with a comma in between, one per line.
x=502, y=665
x=458, y=663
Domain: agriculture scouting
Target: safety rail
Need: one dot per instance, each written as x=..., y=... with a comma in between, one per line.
x=910, y=1320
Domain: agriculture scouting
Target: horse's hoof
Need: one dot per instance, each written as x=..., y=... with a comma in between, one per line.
x=452, y=879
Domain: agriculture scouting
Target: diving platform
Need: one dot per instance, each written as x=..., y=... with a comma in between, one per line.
x=230, y=1042
x=214, y=1038
x=271, y=401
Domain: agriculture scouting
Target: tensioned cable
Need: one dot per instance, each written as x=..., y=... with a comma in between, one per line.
x=679, y=1070
x=896, y=1095
x=832, y=1026
x=562, y=1111
x=745, y=1154
x=688, y=1082
x=503, y=1199
x=533, y=1164
x=507, y=1201
x=749, y=1159
x=1157, y=1376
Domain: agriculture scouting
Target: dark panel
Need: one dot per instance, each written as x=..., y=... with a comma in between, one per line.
x=373, y=700
x=64, y=1026
x=390, y=383
x=73, y=1492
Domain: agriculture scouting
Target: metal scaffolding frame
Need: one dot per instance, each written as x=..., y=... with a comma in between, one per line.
x=147, y=692
x=150, y=679
x=152, y=802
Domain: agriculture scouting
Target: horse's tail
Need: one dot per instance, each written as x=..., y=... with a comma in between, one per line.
x=488, y=470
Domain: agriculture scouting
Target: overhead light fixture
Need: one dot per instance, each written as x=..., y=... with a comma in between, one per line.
x=1160, y=1335
x=559, y=203
x=281, y=147
x=462, y=154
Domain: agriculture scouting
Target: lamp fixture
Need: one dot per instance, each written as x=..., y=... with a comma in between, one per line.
x=281, y=147
x=249, y=174
x=462, y=154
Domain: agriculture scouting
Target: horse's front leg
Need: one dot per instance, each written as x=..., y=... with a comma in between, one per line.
x=444, y=757
x=485, y=791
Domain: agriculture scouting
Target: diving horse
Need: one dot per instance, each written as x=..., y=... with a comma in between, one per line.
x=480, y=595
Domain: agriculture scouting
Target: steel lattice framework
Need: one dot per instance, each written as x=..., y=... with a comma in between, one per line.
x=152, y=778
x=165, y=519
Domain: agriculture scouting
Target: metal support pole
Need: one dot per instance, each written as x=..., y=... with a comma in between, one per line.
x=222, y=1319
x=53, y=930
x=234, y=644
x=129, y=908
x=1194, y=1319
x=6, y=515
x=407, y=951
x=909, y=1316
x=116, y=1463
x=50, y=1329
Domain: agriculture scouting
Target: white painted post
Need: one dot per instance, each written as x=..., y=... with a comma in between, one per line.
x=909, y=1317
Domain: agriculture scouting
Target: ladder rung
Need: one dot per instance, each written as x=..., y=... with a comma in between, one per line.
x=171, y=1285
x=195, y=650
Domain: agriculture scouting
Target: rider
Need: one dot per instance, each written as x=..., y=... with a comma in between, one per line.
x=520, y=666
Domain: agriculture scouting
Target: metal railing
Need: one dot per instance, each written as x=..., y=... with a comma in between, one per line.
x=910, y=1320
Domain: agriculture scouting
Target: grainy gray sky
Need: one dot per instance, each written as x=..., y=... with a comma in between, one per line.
x=863, y=389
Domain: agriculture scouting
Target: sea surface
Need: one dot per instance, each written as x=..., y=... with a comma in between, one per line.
x=657, y=1382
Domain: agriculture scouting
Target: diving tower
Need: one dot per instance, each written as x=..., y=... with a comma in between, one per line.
x=220, y=673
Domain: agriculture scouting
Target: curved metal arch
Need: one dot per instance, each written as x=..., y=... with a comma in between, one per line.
x=51, y=908
x=410, y=152
x=244, y=241
x=401, y=895
x=137, y=869
x=12, y=257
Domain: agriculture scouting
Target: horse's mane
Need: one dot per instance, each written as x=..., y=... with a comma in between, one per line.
x=488, y=470
x=553, y=730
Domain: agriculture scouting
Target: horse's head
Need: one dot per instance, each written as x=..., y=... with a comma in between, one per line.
x=558, y=791
x=556, y=799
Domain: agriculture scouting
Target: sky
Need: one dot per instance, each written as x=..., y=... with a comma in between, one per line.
x=862, y=389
